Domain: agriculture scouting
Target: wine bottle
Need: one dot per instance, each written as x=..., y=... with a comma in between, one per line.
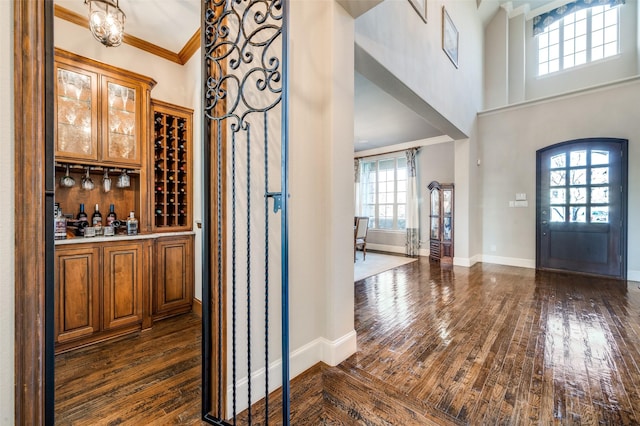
x=132, y=224
x=96, y=220
x=82, y=216
x=111, y=216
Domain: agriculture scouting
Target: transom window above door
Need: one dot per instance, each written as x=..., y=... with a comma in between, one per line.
x=579, y=186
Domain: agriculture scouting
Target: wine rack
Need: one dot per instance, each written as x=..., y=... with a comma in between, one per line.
x=172, y=207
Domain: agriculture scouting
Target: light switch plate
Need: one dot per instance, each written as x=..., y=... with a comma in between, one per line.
x=521, y=196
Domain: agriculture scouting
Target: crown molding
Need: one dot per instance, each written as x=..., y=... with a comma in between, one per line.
x=180, y=58
x=190, y=48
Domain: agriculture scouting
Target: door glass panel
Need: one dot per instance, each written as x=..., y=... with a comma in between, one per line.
x=578, y=158
x=558, y=177
x=558, y=214
x=578, y=195
x=578, y=214
x=599, y=157
x=446, y=228
x=122, y=122
x=559, y=161
x=599, y=175
x=435, y=203
x=579, y=177
x=434, y=228
x=446, y=202
x=600, y=195
x=74, y=112
x=600, y=214
x=558, y=196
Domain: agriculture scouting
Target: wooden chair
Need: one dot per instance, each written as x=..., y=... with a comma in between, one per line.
x=360, y=236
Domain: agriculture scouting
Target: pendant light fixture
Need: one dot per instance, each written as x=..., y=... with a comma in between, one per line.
x=106, y=21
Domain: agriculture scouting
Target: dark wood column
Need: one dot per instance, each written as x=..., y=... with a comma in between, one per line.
x=32, y=366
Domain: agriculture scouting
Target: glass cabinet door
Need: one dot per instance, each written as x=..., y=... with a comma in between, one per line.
x=121, y=128
x=76, y=114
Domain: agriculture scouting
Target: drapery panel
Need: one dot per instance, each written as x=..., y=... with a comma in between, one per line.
x=413, y=218
x=540, y=22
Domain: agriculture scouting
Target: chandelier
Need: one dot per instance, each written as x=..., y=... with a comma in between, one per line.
x=106, y=21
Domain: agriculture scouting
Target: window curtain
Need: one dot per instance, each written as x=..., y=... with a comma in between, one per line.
x=540, y=22
x=413, y=219
x=356, y=186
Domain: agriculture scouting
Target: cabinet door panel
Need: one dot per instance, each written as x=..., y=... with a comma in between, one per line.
x=122, y=285
x=76, y=112
x=77, y=284
x=121, y=132
x=174, y=274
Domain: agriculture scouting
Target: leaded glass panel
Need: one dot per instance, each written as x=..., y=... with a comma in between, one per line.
x=558, y=196
x=579, y=177
x=600, y=214
x=578, y=214
x=578, y=195
x=558, y=177
x=559, y=161
x=578, y=158
x=600, y=195
x=599, y=157
x=599, y=175
x=558, y=214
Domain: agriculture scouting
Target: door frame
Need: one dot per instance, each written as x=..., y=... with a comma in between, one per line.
x=33, y=50
x=624, y=165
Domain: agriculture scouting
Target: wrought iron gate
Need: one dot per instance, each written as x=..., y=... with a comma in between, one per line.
x=245, y=249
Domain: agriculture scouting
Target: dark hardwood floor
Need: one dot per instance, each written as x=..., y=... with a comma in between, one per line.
x=482, y=345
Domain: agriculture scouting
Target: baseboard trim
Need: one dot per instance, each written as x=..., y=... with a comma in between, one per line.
x=331, y=352
x=509, y=261
x=633, y=275
x=197, y=307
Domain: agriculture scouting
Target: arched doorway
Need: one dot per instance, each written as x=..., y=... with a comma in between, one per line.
x=582, y=207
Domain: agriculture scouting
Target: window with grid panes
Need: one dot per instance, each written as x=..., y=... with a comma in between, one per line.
x=587, y=35
x=385, y=192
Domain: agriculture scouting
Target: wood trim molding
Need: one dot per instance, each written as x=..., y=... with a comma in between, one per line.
x=30, y=285
x=190, y=48
x=180, y=58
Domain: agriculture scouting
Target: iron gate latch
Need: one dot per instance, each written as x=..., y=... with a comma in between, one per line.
x=277, y=200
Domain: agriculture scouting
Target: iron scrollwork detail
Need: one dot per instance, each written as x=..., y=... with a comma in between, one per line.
x=242, y=52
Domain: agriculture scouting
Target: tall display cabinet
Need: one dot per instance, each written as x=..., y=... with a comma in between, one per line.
x=441, y=222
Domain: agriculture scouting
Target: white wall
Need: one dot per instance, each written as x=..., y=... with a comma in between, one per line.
x=395, y=36
x=7, y=259
x=510, y=137
x=496, y=75
x=193, y=72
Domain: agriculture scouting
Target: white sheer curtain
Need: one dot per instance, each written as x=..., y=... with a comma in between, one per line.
x=356, y=186
x=413, y=218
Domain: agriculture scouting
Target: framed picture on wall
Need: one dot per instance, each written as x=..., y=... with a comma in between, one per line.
x=449, y=37
x=421, y=7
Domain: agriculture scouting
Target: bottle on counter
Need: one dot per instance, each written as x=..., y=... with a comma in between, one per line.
x=132, y=224
x=96, y=220
x=111, y=216
x=83, y=220
x=60, y=224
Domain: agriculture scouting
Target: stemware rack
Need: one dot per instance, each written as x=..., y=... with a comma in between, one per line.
x=172, y=207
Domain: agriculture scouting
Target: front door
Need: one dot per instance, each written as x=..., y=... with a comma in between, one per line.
x=581, y=207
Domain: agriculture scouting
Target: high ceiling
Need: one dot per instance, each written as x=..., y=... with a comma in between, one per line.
x=380, y=119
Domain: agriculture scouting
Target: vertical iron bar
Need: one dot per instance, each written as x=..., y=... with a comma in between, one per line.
x=206, y=233
x=219, y=282
x=249, y=270
x=285, y=215
x=233, y=272
x=266, y=270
